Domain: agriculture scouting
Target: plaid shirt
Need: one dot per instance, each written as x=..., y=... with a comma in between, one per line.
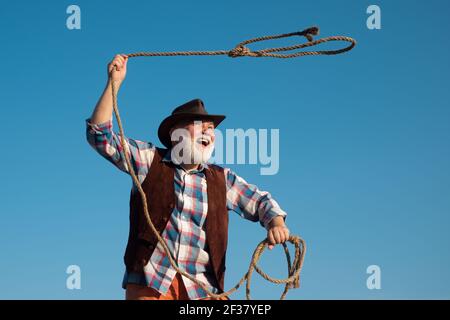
x=184, y=234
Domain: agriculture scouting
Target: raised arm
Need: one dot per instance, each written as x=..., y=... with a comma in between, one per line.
x=100, y=134
x=104, y=108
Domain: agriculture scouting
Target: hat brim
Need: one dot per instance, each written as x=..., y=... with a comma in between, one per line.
x=169, y=122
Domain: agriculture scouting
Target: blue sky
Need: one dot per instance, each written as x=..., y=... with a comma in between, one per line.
x=364, y=139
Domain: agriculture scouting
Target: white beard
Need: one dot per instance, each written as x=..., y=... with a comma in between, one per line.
x=189, y=152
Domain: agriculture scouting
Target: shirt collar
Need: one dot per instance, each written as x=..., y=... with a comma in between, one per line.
x=167, y=158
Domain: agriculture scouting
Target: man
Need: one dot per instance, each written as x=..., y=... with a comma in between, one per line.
x=187, y=197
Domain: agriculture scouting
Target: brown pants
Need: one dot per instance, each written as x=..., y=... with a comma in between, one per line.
x=177, y=291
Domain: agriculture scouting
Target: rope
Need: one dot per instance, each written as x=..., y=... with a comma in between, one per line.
x=241, y=50
x=293, y=280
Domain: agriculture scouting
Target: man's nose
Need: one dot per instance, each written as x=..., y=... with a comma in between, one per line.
x=208, y=131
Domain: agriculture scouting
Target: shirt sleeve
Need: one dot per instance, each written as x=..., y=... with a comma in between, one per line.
x=250, y=202
x=108, y=144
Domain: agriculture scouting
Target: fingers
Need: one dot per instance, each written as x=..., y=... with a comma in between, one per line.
x=118, y=63
x=285, y=233
x=277, y=235
x=270, y=237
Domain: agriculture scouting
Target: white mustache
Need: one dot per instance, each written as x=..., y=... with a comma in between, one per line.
x=205, y=138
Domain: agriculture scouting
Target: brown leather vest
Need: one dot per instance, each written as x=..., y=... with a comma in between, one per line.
x=160, y=193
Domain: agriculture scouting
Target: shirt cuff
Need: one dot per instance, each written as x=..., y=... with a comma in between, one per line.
x=269, y=215
x=98, y=128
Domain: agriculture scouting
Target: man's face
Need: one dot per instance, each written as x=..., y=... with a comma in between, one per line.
x=201, y=139
x=201, y=132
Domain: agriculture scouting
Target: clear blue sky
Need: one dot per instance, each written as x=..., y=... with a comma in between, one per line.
x=364, y=172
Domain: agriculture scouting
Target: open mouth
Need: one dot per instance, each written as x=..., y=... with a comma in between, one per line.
x=204, y=141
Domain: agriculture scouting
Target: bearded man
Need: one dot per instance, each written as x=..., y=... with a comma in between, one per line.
x=188, y=199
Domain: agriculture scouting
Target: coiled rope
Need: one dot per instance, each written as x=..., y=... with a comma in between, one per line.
x=293, y=279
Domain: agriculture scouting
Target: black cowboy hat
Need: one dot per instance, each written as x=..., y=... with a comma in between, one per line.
x=192, y=110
